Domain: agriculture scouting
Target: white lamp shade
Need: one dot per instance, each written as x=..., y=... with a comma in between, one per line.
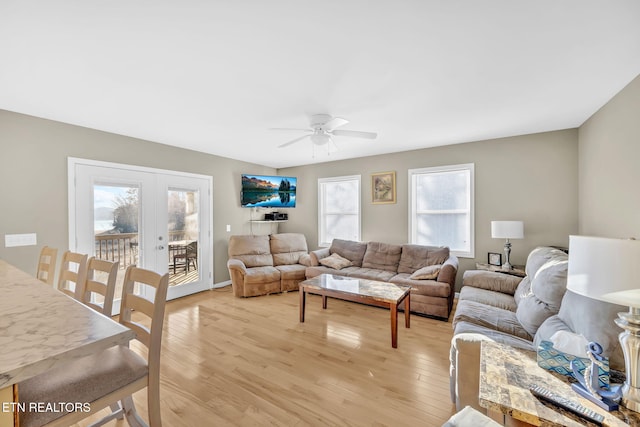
x=605, y=269
x=507, y=229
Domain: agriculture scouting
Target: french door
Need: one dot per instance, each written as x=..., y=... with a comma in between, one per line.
x=156, y=219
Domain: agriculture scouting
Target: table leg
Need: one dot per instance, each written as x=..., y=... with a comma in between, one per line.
x=302, y=303
x=394, y=325
x=8, y=395
x=407, y=311
x=324, y=301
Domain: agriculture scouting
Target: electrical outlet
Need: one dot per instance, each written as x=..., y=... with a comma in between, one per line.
x=228, y=228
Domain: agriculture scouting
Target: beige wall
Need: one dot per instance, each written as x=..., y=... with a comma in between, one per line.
x=533, y=178
x=609, y=153
x=33, y=172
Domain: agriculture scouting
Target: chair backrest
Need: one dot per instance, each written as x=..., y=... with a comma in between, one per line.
x=47, y=265
x=108, y=271
x=154, y=309
x=69, y=275
x=192, y=249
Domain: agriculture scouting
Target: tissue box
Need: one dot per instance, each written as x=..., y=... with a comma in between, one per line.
x=558, y=361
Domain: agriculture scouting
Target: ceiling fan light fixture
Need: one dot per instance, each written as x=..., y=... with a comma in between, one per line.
x=320, y=138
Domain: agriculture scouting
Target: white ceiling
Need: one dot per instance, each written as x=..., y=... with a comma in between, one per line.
x=214, y=75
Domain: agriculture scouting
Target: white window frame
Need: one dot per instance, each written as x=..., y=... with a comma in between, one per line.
x=321, y=208
x=413, y=173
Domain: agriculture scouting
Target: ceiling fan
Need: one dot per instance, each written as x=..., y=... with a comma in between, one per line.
x=323, y=128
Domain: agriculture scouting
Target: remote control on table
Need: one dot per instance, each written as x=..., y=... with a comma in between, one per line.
x=570, y=405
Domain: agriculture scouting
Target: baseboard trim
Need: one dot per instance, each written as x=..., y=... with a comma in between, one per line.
x=220, y=285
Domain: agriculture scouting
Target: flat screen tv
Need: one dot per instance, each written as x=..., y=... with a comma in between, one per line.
x=264, y=191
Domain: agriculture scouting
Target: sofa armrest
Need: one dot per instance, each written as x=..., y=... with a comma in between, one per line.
x=305, y=259
x=237, y=265
x=464, y=370
x=491, y=281
x=237, y=271
x=317, y=255
x=449, y=271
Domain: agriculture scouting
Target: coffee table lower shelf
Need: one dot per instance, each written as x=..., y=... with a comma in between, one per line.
x=364, y=291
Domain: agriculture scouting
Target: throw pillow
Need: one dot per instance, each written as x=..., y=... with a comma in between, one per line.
x=427, y=273
x=335, y=261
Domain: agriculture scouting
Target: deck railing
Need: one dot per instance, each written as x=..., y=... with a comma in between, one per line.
x=123, y=247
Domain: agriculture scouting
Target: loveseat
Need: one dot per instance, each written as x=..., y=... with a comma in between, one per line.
x=522, y=312
x=266, y=264
x=430, y=271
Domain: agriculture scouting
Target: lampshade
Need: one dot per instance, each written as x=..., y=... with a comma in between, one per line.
x=507, y=229
x=605, y=269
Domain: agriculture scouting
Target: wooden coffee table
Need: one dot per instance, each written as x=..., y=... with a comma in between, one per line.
x=370, y=292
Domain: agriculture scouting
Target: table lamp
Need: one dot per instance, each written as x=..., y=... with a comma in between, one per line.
x=507, y=230
x=609, y=270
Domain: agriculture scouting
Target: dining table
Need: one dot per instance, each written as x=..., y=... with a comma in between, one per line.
x=42, y=328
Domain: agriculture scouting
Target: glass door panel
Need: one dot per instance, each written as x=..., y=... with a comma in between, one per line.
x=184, y=215
x=116, y=222
x=183, y=232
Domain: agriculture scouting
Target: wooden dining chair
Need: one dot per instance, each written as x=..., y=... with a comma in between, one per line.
x=101, y=280
x=73, y=274
x=47, y=265
x=110, y=376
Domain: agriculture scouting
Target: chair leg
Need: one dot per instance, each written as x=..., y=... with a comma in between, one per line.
x=131, y=414
x=153, y=401
x=116, y=414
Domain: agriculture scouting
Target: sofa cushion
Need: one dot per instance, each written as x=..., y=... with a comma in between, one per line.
x=336, y=262
x=371, y=274
x=463, y=327
x=353, y=251
x=491, y=281
x=430, y=288
x=321, y=269
x=382, y=256
x=592, y=319
x=490, y=317
x=484, y=296
x=427, y=273
x=523, y=289
x=287, y=248
x=253, y=251
x=548, y=277
x=414, y=257
x=261, y=275
x=291, y=271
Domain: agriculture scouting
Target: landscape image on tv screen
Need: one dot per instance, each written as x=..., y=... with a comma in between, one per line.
x=262, y=191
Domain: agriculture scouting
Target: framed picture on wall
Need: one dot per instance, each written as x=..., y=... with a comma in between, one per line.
x=495, y=259
x=383, y=187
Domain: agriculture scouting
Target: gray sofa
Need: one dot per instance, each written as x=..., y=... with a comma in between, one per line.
x=266, y=264
x=396, y=264
x=522, y=313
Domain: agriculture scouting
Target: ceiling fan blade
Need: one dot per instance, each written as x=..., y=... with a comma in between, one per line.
x=293, y=141
x=296, y=129
x=355, y=134
x=334, y=123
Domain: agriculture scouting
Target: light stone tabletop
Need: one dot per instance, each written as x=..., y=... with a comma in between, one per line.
x=41, y=328
x=505, y=376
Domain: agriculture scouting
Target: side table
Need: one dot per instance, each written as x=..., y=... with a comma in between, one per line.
x=506, y=373
x=517, y=270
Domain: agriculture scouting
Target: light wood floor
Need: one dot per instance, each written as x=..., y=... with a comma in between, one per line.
x=229, y=361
